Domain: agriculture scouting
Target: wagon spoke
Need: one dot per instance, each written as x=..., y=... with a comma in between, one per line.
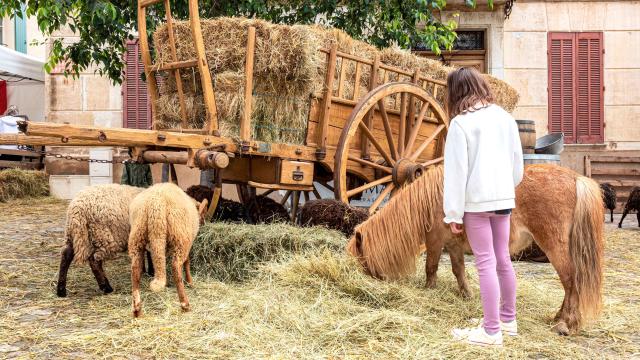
x=363, y=162
x=416, y=127
x=402, y=123
x=306, y=196
x=374, y=141
x=380, y=198
x=294, y=205
x=367, y=186
x=316, y=193
x=426, y=143
x=285, y=198
x=433, y=162
x=387, y=129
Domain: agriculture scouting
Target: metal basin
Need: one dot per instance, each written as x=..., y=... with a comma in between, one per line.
x=550, y=144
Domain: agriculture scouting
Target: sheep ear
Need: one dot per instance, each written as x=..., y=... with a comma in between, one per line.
x=202, y=209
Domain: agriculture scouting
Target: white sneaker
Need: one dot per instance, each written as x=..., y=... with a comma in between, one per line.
x=478, y=336
x=509, y=328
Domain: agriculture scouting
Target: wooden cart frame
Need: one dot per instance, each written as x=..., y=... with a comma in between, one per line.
x=381, y=140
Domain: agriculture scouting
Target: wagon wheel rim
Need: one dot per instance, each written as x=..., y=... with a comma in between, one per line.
x=402, y=149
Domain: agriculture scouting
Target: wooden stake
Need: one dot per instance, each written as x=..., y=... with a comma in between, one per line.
x=152, y=85
x=203, y=68
x=176, y=72
x=245, y=123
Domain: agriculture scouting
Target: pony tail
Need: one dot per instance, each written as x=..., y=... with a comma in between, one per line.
x=586, y=247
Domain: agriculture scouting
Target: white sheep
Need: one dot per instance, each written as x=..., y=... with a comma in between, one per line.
x=164, y=220
x=97, y=230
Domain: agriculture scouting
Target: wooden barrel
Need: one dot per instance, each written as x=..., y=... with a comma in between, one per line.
x=541, y=159
x=527, y=129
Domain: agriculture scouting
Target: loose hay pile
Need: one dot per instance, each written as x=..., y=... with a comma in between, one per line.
x=18, y=183
x=289, y=74
x=304, y=306
x=232, y=252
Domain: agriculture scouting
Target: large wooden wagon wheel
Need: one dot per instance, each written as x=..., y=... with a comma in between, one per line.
x=392, y=135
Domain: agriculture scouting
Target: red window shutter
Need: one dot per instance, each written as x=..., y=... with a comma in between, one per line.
x=136, y=104
x=589, y=88
x=561, y=55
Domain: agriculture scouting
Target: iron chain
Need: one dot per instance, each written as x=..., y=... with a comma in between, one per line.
x=69, y=157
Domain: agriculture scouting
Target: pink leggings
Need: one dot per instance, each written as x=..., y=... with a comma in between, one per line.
x=488, y=235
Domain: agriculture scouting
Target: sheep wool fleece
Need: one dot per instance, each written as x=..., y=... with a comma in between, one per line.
x=98, y=221
x=165, y=220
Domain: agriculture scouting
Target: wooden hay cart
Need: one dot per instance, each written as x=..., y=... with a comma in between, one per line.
x=380, y=142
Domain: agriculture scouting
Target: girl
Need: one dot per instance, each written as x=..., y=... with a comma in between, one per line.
x=483, y=165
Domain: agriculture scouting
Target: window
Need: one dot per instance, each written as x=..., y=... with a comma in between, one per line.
x=1, y=38
x=136, y=102
x=469, y=50
x=576, y=87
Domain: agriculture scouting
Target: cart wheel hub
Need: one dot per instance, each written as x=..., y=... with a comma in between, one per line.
x=406, y=171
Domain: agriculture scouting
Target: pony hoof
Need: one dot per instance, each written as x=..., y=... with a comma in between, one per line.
x=61, y=292
x=185, y=307
x=137, y=313
x=107, y=289
x=465, y=293
x=561, y=328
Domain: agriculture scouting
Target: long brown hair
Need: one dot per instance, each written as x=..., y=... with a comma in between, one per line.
x=466, y=88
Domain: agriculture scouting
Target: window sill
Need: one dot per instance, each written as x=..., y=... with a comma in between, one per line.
x=604, y=145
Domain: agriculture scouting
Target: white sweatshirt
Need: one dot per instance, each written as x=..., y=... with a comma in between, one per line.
x=482, y=163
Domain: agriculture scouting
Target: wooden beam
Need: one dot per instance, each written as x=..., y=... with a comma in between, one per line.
x=175, y=65
x=618, y=171
x=587, y=166
x=165, y=157
x=614, y=158
x=245, y=123
x=21, y=164
x=22, y=139
x=328, y=94
x=280, y=186
x=135, y=137
x=373, y=82
x=145, y=3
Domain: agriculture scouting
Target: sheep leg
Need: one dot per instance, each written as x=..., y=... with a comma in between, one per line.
x=65, y=262
x=638, y=217
x=177, y=278
x=624, y=214
x=137, y=259
x=611, y=215
x=150, y=269
x=98, y=273
x=187, y=272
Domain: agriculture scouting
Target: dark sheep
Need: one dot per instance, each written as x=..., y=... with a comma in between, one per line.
x=227, y=210
x=333, y=214
x=266, y=210
x=633, y=203
x=609, y=197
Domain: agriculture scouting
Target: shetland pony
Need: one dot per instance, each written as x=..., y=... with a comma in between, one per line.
x=569, y=231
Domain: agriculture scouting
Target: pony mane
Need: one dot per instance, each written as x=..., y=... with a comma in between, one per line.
x=389, y=241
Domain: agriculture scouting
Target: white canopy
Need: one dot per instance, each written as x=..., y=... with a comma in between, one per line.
x=18, y=64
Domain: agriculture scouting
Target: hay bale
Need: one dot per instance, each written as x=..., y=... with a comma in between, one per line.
x=18, y=183
x=289, y=73
x=231, y=252
x=332, y=214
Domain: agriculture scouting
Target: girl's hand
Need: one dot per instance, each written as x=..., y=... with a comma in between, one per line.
x=456, y=228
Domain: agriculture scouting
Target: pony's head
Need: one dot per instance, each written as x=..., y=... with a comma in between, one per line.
x=387, y=243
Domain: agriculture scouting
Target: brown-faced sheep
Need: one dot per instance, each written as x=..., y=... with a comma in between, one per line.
x=263, y=209
x=609, y=197
x=97, y=229
x=165, y=220
x=333, y=214
x=633, y=203
x=227, y=210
